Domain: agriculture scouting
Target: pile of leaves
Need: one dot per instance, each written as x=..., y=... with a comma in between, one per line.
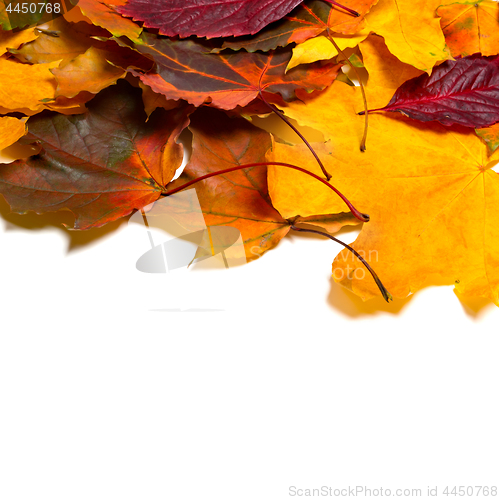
x=103, y=91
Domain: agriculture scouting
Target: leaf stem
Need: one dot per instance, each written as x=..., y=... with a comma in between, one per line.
x=364, y=98
x=386, y=294
x=300, y=135
x=359, y=215
x=351, y=11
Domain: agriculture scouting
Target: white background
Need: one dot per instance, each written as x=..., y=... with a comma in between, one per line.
x=288, y=381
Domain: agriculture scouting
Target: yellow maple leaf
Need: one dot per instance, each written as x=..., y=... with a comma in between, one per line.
x=411, y=31
x=471, y=27
x=430, y=191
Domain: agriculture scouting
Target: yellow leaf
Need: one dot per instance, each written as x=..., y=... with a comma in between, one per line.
x=386, y=72
x=11, y=130
x=471, y=27
x=11, y=40
x=411, y=31
x=320, y=48
x=23, y=86
x=430, y=191
x=90, y=72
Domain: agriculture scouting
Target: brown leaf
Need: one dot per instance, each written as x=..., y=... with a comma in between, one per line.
x=185, y=70
x=100, y=165
x=239, y=199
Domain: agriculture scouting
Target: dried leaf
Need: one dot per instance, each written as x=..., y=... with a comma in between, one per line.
x=471, y=27
x=205, y=18
x=11, y=130
x=100, y=165
x=491, y=136
x=239, y=199
x=430, y=191
x=412, y=34
x=184, y=70
x=464, y=92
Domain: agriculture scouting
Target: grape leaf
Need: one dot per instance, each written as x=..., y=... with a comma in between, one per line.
x=186, y=70
x=471, y=27
x=100, y=165
x=464, y=92
x=205, y=18
x=430, y=191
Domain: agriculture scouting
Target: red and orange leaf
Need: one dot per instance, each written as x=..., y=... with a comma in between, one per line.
x=185, y=70
x=471, y=27
x=100, y=165
x=239, y=199
x=308, y=20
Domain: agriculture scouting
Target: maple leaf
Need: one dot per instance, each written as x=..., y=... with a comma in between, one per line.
x=239, y=199
x=308, y=20
x=186, y=70
x=205, y=18
x=471, y=27
x=412, y=34
x=464, y=92
x=430, y=191
x=386, y=72
x=100, y=165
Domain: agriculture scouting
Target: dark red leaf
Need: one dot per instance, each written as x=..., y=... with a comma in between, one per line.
x=100, y=165
x=464, y=92
x=206, y=17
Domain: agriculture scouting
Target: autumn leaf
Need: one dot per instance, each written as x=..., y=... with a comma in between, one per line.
x=464, y=92
x=103, y=13
x=412, y=34
x=308, y=20
x=205, y=18
x=239, y=199
x=11, y=130
x=386, y=72
x=100, y=165
x=321, y=48
x=11, y=40
x=24, y=86
x=491, y=136
x=72, y=40
x=430, y=191
x=185, y=70
x=471, y=27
